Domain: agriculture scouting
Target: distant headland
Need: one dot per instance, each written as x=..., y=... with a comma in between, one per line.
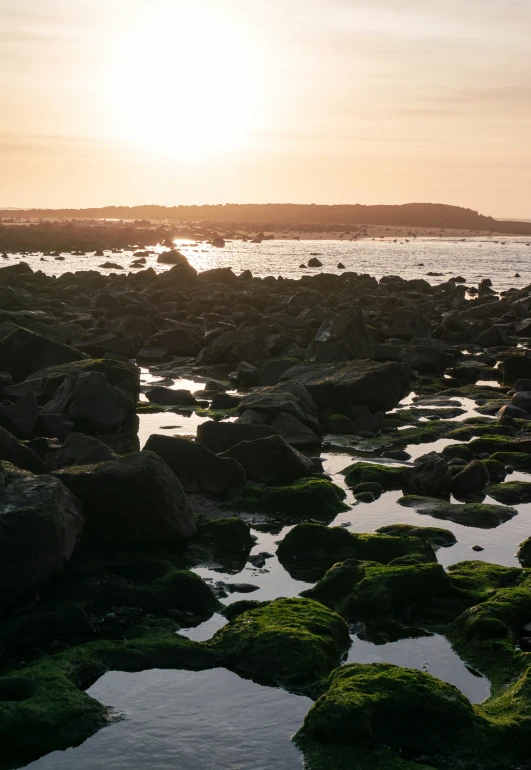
x=430, y=215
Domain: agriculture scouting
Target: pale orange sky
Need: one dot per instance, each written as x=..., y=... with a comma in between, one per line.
x=211, y=101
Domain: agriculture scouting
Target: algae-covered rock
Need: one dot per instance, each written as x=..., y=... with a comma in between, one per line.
x=462, y=451
x=436, y=536
x=44, y=708
x=472, y=479
x=224, y=536
x=307, y=497
x=380, y=705
x=481, y=515
x=294, y=642
x=511, y=492
x=388, y=476
x=516, y=460
x=315, y=548
x=524, y=553
x=479, y=578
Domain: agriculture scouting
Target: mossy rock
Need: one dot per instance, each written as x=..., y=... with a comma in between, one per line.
x=511, y=492
x=228, y=535
x=294, y=642
x=47, y=621
x=307, y=497
x=44, y=708
x=338, y=756
x=480, y=578
x=461, y=451
x=310, y=549
x=496, y=470
x=517, y=460
x=388, y=476
x=491, y=444
x=436, y=536
x=524, y=553
x=381, y=705
x=480, y=515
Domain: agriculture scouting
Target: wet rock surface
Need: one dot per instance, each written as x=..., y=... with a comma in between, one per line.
x=119, y=554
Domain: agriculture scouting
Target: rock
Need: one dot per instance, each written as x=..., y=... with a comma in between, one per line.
x=477, y=548
x=23, y=353
x=364, y=497
x=20, y=418
x=522, y=400
x=40, y=525
x=242, y=588
x=473, y=478
x=426, y=359
x=286, y=397
x=479, y=515
x=273, y=369
x=511, y=493
x=135, y=499
x=314, y=262
x=54, y=426
x=348, y=332
x=524, y=554
x=172, y=257
x=225, y=401
x=495, y=336
x=90, y=402
x=317, y=498
x=397, y=454
x=509, y=410
x=78, y=449
x=20, y=455
x=436, y=536
x=294, y=431
x=406, y=323
x=386, y=476
x=290, y=641
x=359, y=698
x=180, y=340
x=170, y=397
x=101, y=343
x=270, y=460
x=373, y=487
x=516, y=367
x=430, y=477
x=364, y=383
x=197, y=468
x=246, y=375
x=219, y=436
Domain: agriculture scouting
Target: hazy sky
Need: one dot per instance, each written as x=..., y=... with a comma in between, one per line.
x=211, y=101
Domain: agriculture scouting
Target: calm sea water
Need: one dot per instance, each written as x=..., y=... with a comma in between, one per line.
x=473, y=259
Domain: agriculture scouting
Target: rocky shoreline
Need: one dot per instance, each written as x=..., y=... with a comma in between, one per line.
x=99, y=538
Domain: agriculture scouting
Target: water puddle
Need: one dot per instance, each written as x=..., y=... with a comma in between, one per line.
x=432, y=654
x=212, y=720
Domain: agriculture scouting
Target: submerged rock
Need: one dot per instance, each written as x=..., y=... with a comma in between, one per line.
x=481, y=515
x=308, y=497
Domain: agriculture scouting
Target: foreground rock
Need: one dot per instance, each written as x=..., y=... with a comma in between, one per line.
x=40, y=525
x=22, y=353
x=293, y=642
x=136, y=499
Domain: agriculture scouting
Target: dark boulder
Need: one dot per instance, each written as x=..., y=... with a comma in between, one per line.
x=348, y=332
x=180, y=340
x=91, y=403
x=135, y=499
x=40, y=525
x=219, y=436
x=270, y=460
x=23, y=353
x=197, y=468
x=20, y=455
x=78, y=449
x=364, y=383
x=20, y=418
x=472, y=479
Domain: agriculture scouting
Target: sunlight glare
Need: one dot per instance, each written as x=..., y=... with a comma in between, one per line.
x=185, y=82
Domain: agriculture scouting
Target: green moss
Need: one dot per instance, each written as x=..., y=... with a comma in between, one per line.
x=224, y=536
x=380, y=705
x=307, y=497
x=308, y=550
x=512, y=492
x=481, y=515
x=145, y=408
x=337, y=756
x=388, y=476
x=496, y=470
x=436, y=536
x=524, y=553
x=491, y=444
x=43, y=707
x=517, y=460
x=218, y=414
x=294, y=642
x=462, y=451
x=479, y=578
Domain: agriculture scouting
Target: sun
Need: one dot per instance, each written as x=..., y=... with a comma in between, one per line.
x=185, y=82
